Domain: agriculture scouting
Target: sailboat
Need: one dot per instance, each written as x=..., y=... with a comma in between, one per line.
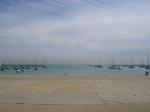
x=148, y=62
x=131, y=66
x=35, y=64
x=113, y=66
x=99, y=65
x=141, y=65
x=3, y=65
x=18, y=70
x=2, y=68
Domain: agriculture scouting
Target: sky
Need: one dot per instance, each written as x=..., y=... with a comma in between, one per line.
x=74, y=31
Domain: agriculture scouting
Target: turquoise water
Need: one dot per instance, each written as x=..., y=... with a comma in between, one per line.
x=78, y=70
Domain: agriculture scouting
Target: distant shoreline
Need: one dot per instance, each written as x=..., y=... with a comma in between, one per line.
x=72, y=77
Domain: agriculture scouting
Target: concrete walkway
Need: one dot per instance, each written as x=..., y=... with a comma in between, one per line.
x=89, y=94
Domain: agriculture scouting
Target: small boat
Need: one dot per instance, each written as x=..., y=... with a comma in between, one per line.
x=148, y=62
x=35, y=68
x=147, y=67
x=18, y=70
x=2, y=68
x=22, y=70
x=141, y=66
x=114, y=67
x=131, y=66
x=28, y=67
x=98, y=66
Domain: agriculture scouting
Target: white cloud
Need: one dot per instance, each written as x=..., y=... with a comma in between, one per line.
x=93, y=30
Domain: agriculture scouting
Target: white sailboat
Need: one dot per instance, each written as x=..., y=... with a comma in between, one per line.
x=148, y=62
x=113, y=66
x=131, y=66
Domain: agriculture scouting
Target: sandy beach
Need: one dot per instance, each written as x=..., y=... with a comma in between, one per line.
x=75, y=94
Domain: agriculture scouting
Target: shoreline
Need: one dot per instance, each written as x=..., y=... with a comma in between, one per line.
x=78, y=77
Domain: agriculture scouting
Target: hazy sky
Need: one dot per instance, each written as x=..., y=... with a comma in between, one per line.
x=68, y=31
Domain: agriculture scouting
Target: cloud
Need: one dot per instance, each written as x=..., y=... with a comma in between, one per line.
x=88, y=31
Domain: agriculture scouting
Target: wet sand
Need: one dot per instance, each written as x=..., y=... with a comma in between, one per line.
x=74, y=93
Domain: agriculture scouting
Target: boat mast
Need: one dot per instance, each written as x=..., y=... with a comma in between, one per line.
x=132, y=60
x=113, y=61
x=148, y=61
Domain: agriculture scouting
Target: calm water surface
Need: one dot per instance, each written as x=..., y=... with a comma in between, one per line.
x=78, y=70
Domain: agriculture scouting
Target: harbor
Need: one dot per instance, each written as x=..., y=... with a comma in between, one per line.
x=114, y=67
x=74, y=56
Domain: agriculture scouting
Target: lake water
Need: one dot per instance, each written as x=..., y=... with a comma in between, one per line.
x=78, y=70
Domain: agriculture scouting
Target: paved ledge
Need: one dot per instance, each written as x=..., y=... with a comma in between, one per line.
x=90, y=94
